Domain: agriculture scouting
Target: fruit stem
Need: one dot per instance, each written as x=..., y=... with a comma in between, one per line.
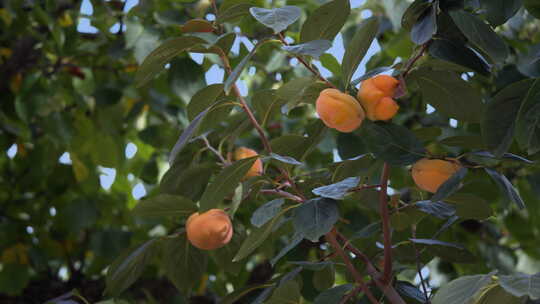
x=284, y=194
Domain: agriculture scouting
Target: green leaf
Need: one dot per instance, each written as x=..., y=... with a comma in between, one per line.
x=333, y=295
x=315, y=218
x=370, y=74
x=314, y=266
x=187, y=182
x=497, y=295
x=337, y=190
x=300, y=90
x=533, y=7
x=404, y=219
x=425, y=27
x=257, y=237
x=224, y=256
x=285, y=159
x=450, y=186
x=14, y=278
x=266, y=212
x=127, y=268
x=293, y=242
x=204, y=99
x=234, y=12
x=277, y=19
x=326, y=21
x=462, y=290
x=408, y=290
x=325, y=278
x=465, y=141
x=469, y=206
x=447, y=251
x=500, y=116
x=358, y=47
x=313, y=48
x=522, y=285
x=451, y=95
x=224, y=183
x=164, y=205
x=288, y=292
x=392, y=143
x=438, y=209
x=481, y=35
x=294, y=146
x=413, y=13
x=455, y=52
x=183, y=264
x=331, y=63
x=188, y=133
x=499, y=11
x=506, y=187
x=267, y=104
x=156, y=60
x=528, y=120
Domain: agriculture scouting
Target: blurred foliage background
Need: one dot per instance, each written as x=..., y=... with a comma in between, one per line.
x=81, y=145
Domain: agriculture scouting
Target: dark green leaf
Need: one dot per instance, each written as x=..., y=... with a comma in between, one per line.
x=285, y=159
x=457, y=53
x=532, y=6
x=337, y=190
x=203, y=100
x=450, y=186
x=184, y=138
x=331, y=63
x=187, y=182
x=392, y=143
x=367, y=231
x=447, y=251
x=413, y=13
x=277, y=19
x=404, y=219
x=408, y=290
x=465, y=141
x=528, y=120
x=234, y=12
x=462, y=290
x=357, y=48
x=127, y=268
x=450, y=94
x=235, y=74
x=293, y=242
x=315, y=266
x=315, y=218
x=499, y=11
x=439, y=209
x=155, y=61
x=165, y=205
x=225, y=183
x=506, y=187
x=288, y=292
x=500, y=116
x=370, y=74
x=425, y=27
x=333, y=295
x=522, y=285
x=481, y=35
x=497, y=295
x=313, y=48
x=326, y=21
x=267, y=104
x=469, y=206
x=266, y=212
x=183, y=264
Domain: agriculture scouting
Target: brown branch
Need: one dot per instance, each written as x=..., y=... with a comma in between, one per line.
x=331, y=239
x=388, y=290
x=307, y=65
x=246, y=108
x=414, y=59
x=383, y=205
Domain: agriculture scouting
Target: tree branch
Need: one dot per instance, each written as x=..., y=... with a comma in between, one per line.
x=331, y=239
x=383, y=205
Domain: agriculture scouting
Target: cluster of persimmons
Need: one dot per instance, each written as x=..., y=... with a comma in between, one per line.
x=213, y=229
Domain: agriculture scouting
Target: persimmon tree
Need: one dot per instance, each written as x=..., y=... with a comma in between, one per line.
x=296, y=179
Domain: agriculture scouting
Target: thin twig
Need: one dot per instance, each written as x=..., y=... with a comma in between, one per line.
x=419, y=266
x=284, y=194
x=331, y=239
x=414, y=59
x=383, y=206
x=350, y=295
x=213, y=150
x=307, y=65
